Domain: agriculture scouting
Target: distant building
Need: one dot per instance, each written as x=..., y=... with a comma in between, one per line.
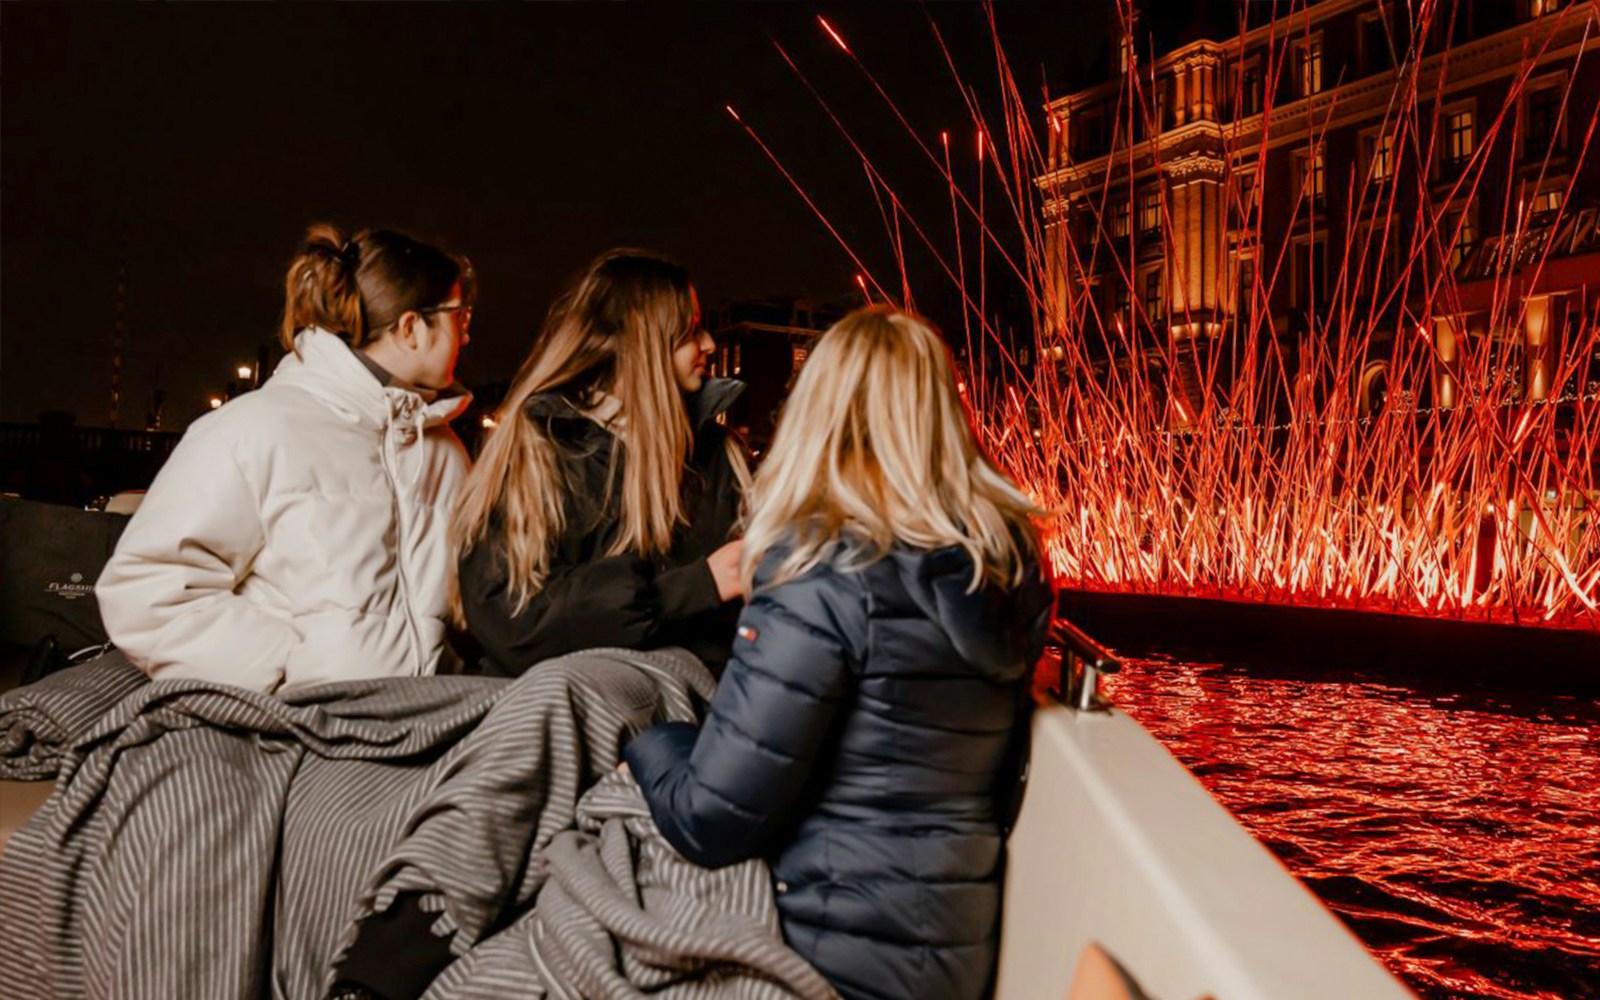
x=1167, y=193
x=764, y=343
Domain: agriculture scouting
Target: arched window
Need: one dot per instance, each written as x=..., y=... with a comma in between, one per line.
x=1374, y=388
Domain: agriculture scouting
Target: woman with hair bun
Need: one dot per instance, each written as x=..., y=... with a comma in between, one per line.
x=299, y=534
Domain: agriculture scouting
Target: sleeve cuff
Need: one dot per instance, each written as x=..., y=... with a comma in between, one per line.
x=656, y=752
x=687, y=590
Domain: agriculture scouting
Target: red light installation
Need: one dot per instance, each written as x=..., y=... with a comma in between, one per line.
x=1203, y=449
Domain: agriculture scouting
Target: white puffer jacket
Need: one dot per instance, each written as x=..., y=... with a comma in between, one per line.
x=296, y=535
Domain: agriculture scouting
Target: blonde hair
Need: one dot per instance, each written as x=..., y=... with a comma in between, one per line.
x=614, y=331
x=875, y=448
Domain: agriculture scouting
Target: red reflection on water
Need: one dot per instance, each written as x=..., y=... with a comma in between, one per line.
x=1458, y=835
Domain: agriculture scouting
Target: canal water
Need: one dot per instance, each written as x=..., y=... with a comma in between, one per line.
x=1456, y=832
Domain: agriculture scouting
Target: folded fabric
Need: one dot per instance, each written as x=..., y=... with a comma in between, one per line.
x=209, y=841
x=39, y=722
x=623, y=916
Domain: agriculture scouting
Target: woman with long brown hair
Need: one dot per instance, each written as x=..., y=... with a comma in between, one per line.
x=601, y=509
x=298, y=534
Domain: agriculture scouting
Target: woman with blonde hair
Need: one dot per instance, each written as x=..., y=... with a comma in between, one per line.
x=298, y=534
x=602, y=506
x=864, y=735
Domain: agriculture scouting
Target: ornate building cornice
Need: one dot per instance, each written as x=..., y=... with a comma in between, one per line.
x=1458, y=68
x=1195, y=165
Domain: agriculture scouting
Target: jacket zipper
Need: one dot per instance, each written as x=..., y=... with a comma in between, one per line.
x=391, y=472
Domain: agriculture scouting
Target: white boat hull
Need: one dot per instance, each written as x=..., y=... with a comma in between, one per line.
x=1118, y=844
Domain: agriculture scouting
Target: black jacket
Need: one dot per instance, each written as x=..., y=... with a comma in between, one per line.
x=857, y=740
x=594, y=599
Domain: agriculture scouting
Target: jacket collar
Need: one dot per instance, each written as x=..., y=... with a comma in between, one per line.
x=713, y=398
x=325, y=367
x=716, y=395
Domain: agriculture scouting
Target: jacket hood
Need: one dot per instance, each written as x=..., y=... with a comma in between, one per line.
x=324, y=366
x=714, y=397
x=994, y=628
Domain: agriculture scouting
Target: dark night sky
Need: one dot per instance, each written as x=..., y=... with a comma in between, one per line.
x=194, y=142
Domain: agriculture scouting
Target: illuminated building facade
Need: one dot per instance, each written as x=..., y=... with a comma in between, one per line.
x=1232, y=178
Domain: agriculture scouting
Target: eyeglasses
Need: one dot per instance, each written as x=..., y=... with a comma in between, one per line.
x=460, y=308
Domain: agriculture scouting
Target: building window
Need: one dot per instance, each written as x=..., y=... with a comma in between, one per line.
x=1088, y=137
x=1312, y=176
x=1150, y=211
x=1539, y=121
x=1120, y=299
x=1375, y=56
x=1464, y=238
x=798, y=356
x=1458, y=138
x=737, y=363
x=1374, y=388
x=1309, y=57
x=1119, y=219
x=1152, y=293
x=1380, y=156
x=1250, y=90
x=1546, y=202
x=1539, y=8
x=1310, y=273
x=1245, y=291
x=1158, y=124
x=1240, y=212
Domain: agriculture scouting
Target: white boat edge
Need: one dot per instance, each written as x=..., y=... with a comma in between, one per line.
x=1119, y=845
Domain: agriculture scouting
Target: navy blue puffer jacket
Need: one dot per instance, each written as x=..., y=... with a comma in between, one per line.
x=856, y=741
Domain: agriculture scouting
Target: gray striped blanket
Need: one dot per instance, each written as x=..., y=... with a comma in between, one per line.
x=39, y=723
x=207, y=841
x=624, y=916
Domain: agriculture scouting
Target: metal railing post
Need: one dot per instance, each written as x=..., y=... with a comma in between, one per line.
x=1083, y=662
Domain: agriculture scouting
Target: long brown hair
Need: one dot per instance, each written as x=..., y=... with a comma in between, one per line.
x=613, y=330
x=360, y=286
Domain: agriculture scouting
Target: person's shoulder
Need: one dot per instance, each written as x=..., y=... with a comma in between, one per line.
x=444, y=439
x=829, y=595
x=256, y=429
x=284, y=403
x=232, y=424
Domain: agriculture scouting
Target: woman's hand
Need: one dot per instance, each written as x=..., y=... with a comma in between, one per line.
x=724, y=565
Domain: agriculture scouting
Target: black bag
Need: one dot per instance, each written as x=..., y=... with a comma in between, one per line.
x=50, y=558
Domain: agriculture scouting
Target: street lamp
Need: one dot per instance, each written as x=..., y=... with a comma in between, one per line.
x=244, y=371
x=214, y=402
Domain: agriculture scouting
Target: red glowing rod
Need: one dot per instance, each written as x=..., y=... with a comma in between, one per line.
x=834, y=34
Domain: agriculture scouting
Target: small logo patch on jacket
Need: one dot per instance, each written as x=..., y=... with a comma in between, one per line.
x=748, y=634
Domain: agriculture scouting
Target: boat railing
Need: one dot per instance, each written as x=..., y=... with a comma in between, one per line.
x=1083, y=663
